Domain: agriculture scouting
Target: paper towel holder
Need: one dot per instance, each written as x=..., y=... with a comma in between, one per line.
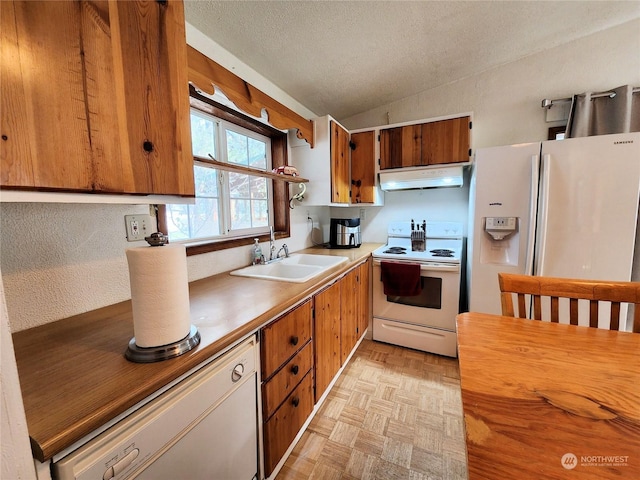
x=138, y=354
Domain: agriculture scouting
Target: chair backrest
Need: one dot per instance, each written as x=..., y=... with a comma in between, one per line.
x=536, y=288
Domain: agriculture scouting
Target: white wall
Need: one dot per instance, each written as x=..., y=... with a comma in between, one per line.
x=505, y=102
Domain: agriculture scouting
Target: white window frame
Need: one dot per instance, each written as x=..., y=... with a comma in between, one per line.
x=224, y=203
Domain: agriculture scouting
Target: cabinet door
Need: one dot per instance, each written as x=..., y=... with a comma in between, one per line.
x=284, y=425
x=95, y=97
x=445, y=141
x=340, y=169
x=363, y=167
x=58, y=92
x=153, y=94
x=282, y=338
x=400, y=147
x=327, y=337
x=364, y=297
x=349, y=314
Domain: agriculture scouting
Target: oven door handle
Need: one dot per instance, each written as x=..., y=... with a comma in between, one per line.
x=431, y=267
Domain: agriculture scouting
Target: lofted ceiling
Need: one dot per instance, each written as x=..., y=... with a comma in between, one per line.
x=346, y=57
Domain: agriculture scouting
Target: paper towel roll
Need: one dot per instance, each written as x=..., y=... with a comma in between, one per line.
x=159, y=294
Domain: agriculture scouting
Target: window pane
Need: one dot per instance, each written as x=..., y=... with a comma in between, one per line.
x=193, y=221
x=239, y=185
x=258, y=187
x=178, y=221
x=237, y=148
x=240, y=214
x=257, y=154
x=204, y=218
x=259, y=213
x=202, y=136
x=206, y=181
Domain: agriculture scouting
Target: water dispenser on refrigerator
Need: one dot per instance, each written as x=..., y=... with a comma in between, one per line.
x=500, y=242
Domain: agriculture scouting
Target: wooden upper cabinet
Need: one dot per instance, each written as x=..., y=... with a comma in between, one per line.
x=363, y=167
x=340, y=167
x=400, y=147
x=432, y=143
x=95, y=97
x=445, y=141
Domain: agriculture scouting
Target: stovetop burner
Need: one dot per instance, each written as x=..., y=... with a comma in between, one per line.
x=442, y=252
x=396, y=250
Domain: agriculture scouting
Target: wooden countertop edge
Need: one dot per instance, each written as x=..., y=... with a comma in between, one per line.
x=46, y=444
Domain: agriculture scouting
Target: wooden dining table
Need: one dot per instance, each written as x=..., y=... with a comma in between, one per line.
x=545, y=400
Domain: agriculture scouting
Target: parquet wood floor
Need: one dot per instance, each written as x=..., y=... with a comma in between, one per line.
x=394, y=413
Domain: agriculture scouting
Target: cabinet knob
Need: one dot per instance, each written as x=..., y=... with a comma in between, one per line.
x=295, y=369
x=294, y=340
x=147, y=146
x=295, y=401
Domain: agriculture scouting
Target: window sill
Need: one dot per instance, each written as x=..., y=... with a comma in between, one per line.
x=196, y=248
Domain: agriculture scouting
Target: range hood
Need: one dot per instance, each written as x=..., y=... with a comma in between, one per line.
x=421, y=177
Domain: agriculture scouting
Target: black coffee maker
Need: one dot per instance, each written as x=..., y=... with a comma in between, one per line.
x=345, y=233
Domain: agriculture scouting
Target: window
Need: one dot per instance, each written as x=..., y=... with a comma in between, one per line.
x=228, y=204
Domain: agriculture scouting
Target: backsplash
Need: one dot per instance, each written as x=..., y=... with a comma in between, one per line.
x=59, y=260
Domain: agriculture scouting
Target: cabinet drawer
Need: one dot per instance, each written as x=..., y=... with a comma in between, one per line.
x=284, y=337
x=282, y=428
x=288, y=377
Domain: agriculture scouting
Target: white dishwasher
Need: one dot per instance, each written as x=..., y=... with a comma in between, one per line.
x=203, y=428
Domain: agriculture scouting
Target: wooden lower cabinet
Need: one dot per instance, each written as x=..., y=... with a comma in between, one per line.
x=349, y=314
x=282, y=338
x=284, y=425
x=327, y=336
x=301, y=357
x=287, y=380
x=364, y=296
x=341, y=314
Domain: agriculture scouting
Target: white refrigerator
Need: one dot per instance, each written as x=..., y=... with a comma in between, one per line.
x=562, y=208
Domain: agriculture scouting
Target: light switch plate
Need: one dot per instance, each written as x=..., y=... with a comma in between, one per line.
x=138, y=227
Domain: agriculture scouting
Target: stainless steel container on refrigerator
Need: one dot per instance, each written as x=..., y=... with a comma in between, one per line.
x=565, y=208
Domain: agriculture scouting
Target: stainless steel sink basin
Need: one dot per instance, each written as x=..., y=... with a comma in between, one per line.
x=298, y=268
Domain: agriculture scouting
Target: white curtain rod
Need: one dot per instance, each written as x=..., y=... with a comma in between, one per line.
x=547, y=103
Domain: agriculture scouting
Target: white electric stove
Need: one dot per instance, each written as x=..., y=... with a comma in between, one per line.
x=425, y=321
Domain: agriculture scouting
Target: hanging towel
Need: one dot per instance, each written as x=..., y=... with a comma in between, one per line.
x=400, y=279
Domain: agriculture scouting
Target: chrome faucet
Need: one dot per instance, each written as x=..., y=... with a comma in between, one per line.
x=286, y=251
x=272, y=245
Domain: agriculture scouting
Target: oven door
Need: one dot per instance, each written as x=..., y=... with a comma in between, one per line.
x=436, y=306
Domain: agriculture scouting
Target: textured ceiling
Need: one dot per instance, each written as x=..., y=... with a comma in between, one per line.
x=344, y=58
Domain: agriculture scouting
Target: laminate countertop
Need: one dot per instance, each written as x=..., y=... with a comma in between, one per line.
x=74, y=376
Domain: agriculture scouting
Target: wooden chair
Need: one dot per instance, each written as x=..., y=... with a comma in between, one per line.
x=616, y=293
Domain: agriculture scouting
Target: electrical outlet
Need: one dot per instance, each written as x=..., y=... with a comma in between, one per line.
x=362, y=213
x=138, y=227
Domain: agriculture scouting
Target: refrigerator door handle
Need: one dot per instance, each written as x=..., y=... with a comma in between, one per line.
x=533, y=212
x=544, y=213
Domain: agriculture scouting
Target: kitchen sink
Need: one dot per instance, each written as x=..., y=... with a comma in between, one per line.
x=297, y=268
x=315, y=260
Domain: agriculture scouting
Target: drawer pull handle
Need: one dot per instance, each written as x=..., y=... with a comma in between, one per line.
x=295, y=369
x=295, y=401
x=294, y=340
